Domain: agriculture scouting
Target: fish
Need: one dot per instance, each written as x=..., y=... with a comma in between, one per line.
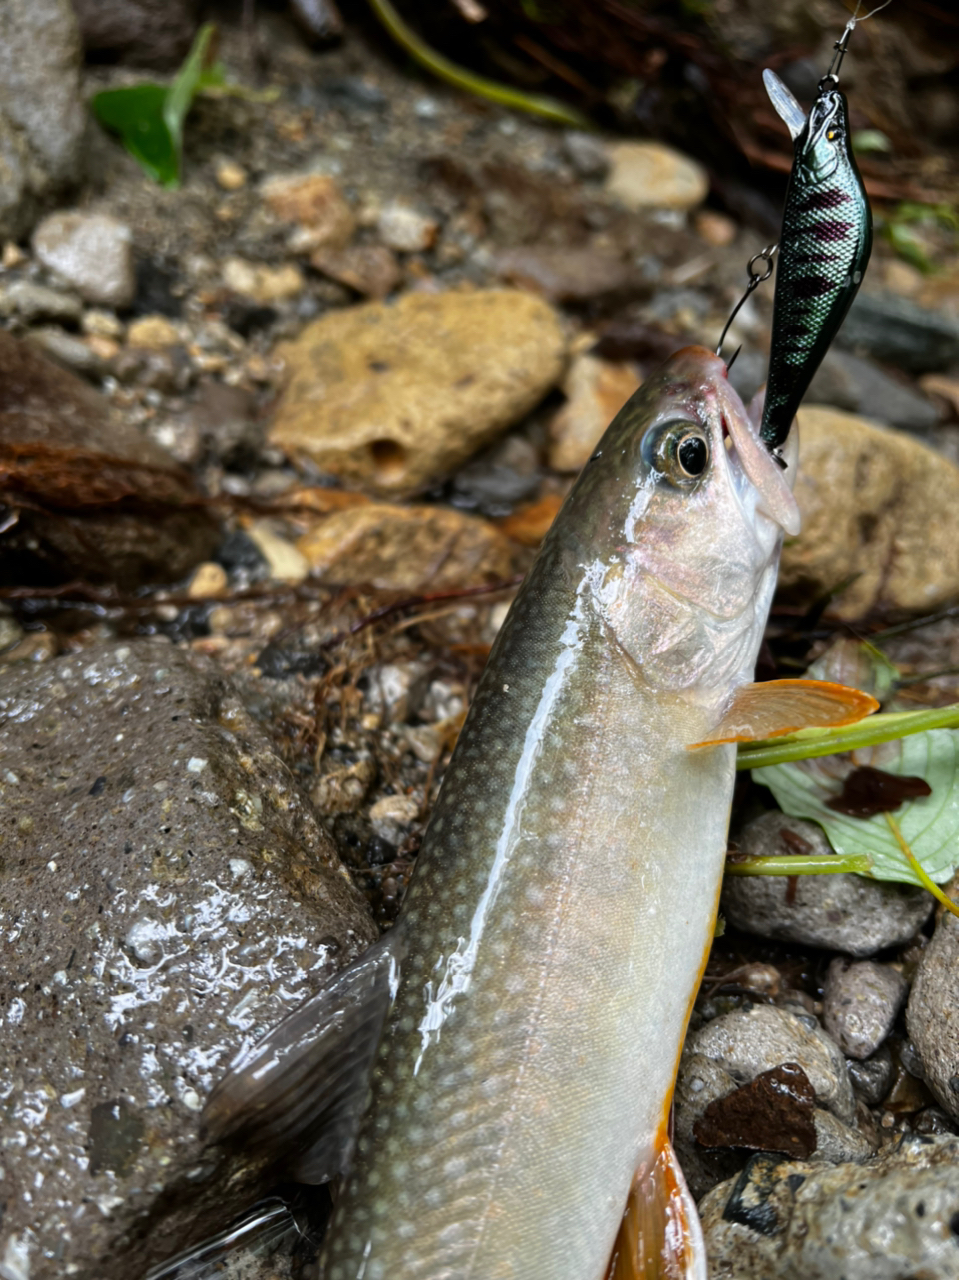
x=824, y=247
x=493, y=1078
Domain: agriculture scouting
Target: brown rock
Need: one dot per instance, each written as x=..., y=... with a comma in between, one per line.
x=647, y=175
x=392, y=398
x=568, y=274
x=595, y=391
x=529, y=525
x=94, y=498
x=774, y=1112
x=407, y=548
x=878, y=506
x=315, y=203
x=370, y=269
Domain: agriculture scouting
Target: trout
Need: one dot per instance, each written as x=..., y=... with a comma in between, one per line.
x=495, y=1075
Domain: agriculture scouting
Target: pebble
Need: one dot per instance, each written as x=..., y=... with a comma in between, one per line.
x=860, y=1003
x=888, y=1218
x=842, y=912
x=33, y=302
x=92, y=253
x=586, y=153
x=370, y=269
x=571, y=274
x=932, y=1015
x=392, y=816
x=315, y=203
x=392, y=398
x=396, y=690
x=69, y=350
x=207, y=580
x=595, y=392
x=286, y=562
x=230, y=175
x=748, y=1041
x=646, y=175
x=153, y=333
x=872, y=1077
x=405, y=229
x=876, y=506
x=947, y=389
x=101, y=324
x=407, y=548
x=262, y=283
x=715, y=228
x=837, y=1142
x=898, y=331
x=508, y=472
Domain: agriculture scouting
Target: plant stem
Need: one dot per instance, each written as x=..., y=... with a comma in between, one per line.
x=823, y=864
x=809, y=743
x=917, y=866
x=534, y=103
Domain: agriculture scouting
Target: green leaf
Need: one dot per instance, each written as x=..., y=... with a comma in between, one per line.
x=929, y=825
x=183, y=90
x=864, y=140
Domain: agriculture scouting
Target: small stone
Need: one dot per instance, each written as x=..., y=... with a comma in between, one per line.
x=209, y=580
x=343, y=789
x=877, y=506
x=407, y=548
x=837, y=1142
x=262, y=283
x=715, y=228
x=749, y=1041
x=33, y=302
x=844, y=912
x=935, y=384
x=370, y=269
x=586, y=153
x=101, y=324
x=396, y=690
x=405, y=229
x=931, y=1014
x=153, y=333
x=571, y=275
x=92, y=252
x=230, y=175
x=506, y=473
x=314, y=203
x=595, y=392
x=394, y=397
x=646, y=175
x=69, y=350
x=774, y=1112
x=12, y=255
x=872, y=1077
x=392, y=817
x=287, y=563
x=860, y=1003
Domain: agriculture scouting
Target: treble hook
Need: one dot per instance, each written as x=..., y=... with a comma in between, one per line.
x=755, y=279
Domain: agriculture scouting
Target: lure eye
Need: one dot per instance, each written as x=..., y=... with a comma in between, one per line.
x=832, y=135
x=692, y=455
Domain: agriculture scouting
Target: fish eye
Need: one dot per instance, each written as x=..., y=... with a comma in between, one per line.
x=692, y=455
x=678, y=451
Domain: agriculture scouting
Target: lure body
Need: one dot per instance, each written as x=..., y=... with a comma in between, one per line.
x=823, y=252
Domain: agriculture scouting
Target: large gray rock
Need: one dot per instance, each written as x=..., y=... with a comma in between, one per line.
x=166, y=896
x=42, y=117
x=891, y=1218
x=933, y=1011
x=846, y=912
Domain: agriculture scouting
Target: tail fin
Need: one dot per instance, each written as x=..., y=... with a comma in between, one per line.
x=660, y=1237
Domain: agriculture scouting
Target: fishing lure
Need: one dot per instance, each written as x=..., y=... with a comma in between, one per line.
x=824, y=245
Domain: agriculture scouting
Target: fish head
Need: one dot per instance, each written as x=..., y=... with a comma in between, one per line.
x=682, y=514
x=823, y=144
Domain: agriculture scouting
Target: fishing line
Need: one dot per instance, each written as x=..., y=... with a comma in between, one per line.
x=756, y=278
x=842, y=44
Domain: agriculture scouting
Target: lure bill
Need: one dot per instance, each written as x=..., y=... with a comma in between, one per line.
x=824, y=248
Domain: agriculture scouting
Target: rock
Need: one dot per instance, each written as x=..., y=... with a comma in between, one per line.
x=932, y=1015
x=405, y=229
x=262, y=283
x=392, y=398
x=229, y=175
x=33, y=302
x=700, y=1082
x=846, y=381
x=208, y=580
x=370, y=269
x=67, y=349
x=315, y=203
x=530, y=525
x=843, y=912
x=595, y=392
x=392, y=816
x=152, y=821
x=586, y=153
x=152, y=333
x=92, y=252
x=96, y=499
x=646, y=175
x=286, y=562
x=944, y=389
x=748, y=1041
x=839, y=1143
x=569, y=275
x=406, y=548
x=715, y=228
x=319, y=20
x=145, y=33
x=860, y=1003
x=872, y=1077
x=42, y=113
x=890, y=1218
x=396, y=690
x=496, y=481
x=877, y=506
x=897, y=331
x=774, y=1112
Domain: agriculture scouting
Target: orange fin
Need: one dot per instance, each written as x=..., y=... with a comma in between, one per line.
x=776, y=707
x=660, y=1237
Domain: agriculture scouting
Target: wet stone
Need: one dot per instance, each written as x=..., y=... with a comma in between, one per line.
x=872, y=1077
x=933, y=1012
x=167, y=896
x=860, y=1003
x=844, y=912
x=92, y=252
x=771, y=1113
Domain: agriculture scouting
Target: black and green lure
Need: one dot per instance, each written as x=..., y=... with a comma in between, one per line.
x=824, y=245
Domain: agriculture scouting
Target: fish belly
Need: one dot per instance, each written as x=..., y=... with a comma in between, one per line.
x=530, y=1057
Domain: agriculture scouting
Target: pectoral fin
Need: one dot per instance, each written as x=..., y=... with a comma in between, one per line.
x=660, y=1237
x=777, y=707
x=785, y=104
x=299, y=1093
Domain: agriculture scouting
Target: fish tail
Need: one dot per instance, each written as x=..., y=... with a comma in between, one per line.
x=659, y=1237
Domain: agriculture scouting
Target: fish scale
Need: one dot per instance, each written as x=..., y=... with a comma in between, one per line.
x=824, y=248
